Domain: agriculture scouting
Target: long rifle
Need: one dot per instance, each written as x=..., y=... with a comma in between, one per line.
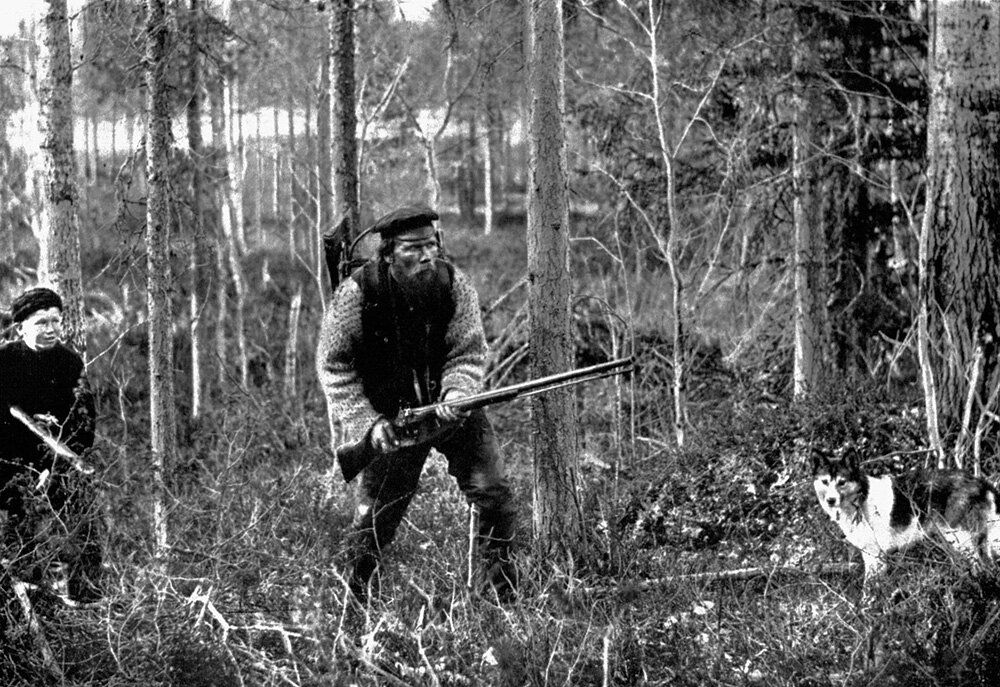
x=419, y=425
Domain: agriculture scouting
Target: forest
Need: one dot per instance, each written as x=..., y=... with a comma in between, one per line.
x=785, y=212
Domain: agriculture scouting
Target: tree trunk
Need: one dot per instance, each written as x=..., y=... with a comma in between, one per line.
x=557, y=516
x=324, y=169
x=667, y=239
x=488, y=183
x=293, y=184
x=959, y=319
x=7, y=246
x=432, y=185
x=465, y=182
x=309, y=197
x=221, y=304
x=130, y=125
x=292, y=350
x=59, y=259
x=233, y=150
x=95, y=152
x=228, y=217
x=200, y=257
x=343, y=117
x=276, y=170
x=113, y=144
x=158, y=288
x=30, y=120
x=83, y=157
x=807, y=321
x=258, y=196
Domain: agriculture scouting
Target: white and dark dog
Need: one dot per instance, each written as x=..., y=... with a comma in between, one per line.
x=879, y=515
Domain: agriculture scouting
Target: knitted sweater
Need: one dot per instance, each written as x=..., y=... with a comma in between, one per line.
x=351, y=413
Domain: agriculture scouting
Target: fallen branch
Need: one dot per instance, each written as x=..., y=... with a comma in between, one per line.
x=48, y=658
x=734, y=574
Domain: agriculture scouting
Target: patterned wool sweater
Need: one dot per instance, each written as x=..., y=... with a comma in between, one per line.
x=351, y=413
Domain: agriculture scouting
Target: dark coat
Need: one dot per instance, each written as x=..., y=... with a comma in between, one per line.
x=50, y=381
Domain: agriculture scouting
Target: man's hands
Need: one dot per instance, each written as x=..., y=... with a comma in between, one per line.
x=46, y=420
x=449, y=413
x=386, y=437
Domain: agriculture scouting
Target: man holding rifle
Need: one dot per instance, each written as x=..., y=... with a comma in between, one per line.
x=405, y=330
x=46, y=424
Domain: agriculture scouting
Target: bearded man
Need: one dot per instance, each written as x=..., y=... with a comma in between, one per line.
x=405, y=330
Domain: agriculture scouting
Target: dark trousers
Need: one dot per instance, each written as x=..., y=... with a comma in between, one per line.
x=390, y=481
x=57, y=523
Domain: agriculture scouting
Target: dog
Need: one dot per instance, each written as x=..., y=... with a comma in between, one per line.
x=879, y=515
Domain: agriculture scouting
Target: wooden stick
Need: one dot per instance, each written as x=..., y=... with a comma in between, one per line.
x=54, y=445
x=470, y=576
x=734, y=574
x=48, y=658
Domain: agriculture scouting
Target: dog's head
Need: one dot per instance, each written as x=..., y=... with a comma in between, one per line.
x=839, y=482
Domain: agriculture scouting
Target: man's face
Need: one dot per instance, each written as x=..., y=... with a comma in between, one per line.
x=414, y=252
x=42, y=329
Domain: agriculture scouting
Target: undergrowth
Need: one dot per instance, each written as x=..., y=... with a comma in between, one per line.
x=253, y=592
x=709, y=565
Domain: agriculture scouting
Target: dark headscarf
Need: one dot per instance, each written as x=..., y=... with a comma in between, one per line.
x=33, y=300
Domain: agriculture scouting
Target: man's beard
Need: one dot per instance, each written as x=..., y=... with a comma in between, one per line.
x=418, y=289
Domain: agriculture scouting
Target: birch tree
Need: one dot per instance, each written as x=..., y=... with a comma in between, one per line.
x=959, y=318
x=557, y=518
x=59, y=255
x=162, y=431
x=672, y=115
x=431, y=133
x=200, y=250
x=229, y=244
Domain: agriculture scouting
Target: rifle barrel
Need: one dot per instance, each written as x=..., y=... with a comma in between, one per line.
x=530, y=388
x=582, y=372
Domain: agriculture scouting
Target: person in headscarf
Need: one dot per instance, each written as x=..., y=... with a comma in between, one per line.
x=45, y=381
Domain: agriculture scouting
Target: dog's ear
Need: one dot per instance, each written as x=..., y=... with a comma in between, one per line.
x=820, y=459
x=851, y=459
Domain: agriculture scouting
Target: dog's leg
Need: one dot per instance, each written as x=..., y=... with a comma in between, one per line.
x=991, y=545
x=966, y=543
x=875, y=565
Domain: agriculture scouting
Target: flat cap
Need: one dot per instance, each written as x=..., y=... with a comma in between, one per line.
x=33, y=300
x=403, y=219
